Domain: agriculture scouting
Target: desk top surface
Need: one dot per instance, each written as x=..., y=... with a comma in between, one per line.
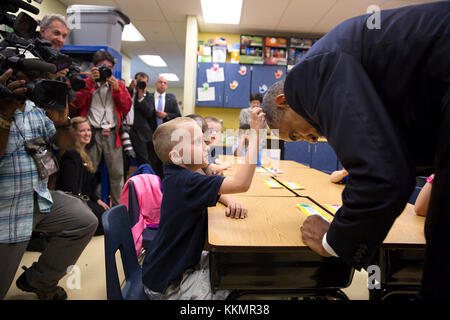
x=274, y=218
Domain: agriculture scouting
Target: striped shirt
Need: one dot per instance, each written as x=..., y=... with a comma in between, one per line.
x=19, y=178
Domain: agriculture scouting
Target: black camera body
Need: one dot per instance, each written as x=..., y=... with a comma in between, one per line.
x=76, y=81
x=141, y=85
x=105, y=72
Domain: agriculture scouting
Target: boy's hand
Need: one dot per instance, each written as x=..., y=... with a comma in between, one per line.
x=257, y=118
x=236, y=211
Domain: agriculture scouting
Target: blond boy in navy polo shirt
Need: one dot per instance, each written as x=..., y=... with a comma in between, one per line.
x=176, y=267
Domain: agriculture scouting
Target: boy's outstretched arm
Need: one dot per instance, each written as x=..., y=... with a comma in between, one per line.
x=242, y=180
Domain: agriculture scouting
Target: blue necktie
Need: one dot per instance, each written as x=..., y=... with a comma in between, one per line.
x=159, y=108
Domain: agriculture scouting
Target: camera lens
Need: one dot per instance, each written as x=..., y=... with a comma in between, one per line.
x=105, y=72
x=141, y=84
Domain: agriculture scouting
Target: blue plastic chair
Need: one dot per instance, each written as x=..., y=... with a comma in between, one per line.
x=133, y=206
x=118, y=236
x=414, y=195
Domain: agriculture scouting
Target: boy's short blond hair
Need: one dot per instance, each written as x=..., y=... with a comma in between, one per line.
x=162, y=137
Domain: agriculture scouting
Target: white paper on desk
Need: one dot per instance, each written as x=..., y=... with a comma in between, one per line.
x=292, y=185
x=260, y=170
x=215, y=75
x=275, y=171
x=206, y=95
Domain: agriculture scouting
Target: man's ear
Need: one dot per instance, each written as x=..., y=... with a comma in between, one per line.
x=280, y=101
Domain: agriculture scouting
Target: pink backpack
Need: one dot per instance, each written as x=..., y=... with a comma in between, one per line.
x=149, y=196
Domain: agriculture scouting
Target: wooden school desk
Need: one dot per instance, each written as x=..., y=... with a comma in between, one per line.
x=258, y=187
x=265, y=251
x=316, y=184
x=401, y=258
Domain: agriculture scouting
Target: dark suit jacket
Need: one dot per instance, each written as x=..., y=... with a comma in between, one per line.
x=378, y=95
x=143, y=123
x=74, y=177
x=170, y=107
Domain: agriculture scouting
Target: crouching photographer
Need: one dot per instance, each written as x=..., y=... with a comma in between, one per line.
x=29, y=205
x=26, y=132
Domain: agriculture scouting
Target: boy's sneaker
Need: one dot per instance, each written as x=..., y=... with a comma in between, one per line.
x=57, y=294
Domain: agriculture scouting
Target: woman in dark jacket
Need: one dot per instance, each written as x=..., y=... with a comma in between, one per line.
x=77, y=172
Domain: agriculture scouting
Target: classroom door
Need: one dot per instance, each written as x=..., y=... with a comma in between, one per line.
x=237, y=85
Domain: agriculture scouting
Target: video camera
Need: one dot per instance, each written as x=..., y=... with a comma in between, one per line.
x=23, y=51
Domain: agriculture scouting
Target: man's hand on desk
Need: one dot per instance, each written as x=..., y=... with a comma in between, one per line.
x=312, y=231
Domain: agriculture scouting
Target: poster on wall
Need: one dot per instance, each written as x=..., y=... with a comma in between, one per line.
x=206, y=94
x=215, y=74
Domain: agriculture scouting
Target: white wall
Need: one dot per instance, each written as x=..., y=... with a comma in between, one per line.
x=190, y=65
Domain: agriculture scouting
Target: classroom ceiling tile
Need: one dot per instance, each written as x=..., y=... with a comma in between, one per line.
x=136, y=48
x=262, y=13
x=179, y=31
x=141, y=9
x=343, y=10
x=176, y=10
x=302, y=15
x=155, y=31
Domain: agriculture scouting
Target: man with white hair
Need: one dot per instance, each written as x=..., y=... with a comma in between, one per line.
x=54, y=28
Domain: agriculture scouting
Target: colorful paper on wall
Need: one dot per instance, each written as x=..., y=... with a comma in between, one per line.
x=215, y=74
x=311, y=210
x=206, y=94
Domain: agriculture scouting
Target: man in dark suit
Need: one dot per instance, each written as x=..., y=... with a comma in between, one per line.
x=166, y=108
x=140, y=120
x=381, y=96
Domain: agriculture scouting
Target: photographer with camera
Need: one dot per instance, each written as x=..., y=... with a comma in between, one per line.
x=105, y=101
x=27, y=204
x=54, y=28
x=141, y=120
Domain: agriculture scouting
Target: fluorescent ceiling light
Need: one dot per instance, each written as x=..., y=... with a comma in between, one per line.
x=153, y=60
x=130, y=33
x=169, y=76
x=221, y=11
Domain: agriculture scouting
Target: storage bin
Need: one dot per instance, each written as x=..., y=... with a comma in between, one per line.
x=96, y=25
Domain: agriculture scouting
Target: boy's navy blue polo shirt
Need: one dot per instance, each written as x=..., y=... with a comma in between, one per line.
x=182, y=229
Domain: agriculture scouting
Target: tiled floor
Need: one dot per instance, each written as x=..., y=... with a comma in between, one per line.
x=91, y=284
